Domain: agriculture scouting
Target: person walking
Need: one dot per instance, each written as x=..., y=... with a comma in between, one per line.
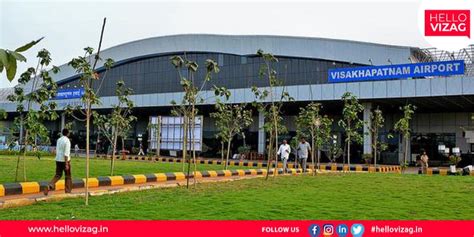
x=141, y=152
x=76, y=150
x=424, y=162
x=284, y=153
x=303, y=151
x=63, y=163
x=16, y=147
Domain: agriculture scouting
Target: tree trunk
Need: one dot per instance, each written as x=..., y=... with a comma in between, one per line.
x=344, y=153
x=349, y=151
x=88, y=116
x=406, y=154
x=185, y=149
x=193, y=125
x=269, y=157
x=275, y=115
x=189, y=171
x=17, y=165
x=312, y=151
x=19, y=144
x=375, y=155
x=185, y=135
x=112, y=161
x=228, y=153
x=375, y=148
x=222, y=151
x=319, y=156
x=24, y=156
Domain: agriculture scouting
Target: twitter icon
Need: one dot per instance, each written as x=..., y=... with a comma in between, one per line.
x=357, y=230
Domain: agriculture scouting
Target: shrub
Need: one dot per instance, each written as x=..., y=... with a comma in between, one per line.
x=243, y=149
x=454, y=159
x=367, y=158
x=135, y=150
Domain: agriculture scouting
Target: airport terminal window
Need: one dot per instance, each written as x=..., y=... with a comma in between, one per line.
x=157, y=74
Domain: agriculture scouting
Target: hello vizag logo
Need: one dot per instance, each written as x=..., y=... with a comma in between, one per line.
x=448, y=23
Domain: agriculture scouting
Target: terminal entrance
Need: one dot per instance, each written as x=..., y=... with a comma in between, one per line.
x=429, y=142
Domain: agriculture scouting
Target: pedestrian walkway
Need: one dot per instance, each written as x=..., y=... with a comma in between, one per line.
x=262, y=164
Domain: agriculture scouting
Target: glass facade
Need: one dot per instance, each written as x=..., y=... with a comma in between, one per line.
x=157, y=74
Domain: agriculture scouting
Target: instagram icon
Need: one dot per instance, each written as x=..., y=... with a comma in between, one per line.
x=328, y=230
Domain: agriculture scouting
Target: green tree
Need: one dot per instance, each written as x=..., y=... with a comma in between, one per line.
x=311, y=122
x=403, y=126
x=192, y=95
x=350, y=121
x=231, y=120
x=41, y=88
x=85, y=66
x=9, y=58
x=272, y=111
x=378, y=121
x=119, y=122
x=333, y=150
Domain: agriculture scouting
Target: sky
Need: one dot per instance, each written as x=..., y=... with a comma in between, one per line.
x=69, y=26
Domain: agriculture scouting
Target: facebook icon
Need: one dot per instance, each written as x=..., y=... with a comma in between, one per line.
x=314, y=230
x=342, y=230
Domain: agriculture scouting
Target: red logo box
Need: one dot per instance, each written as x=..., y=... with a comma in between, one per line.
x=448, y=23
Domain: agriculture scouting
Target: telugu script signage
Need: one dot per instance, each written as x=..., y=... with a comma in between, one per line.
x=64, y=94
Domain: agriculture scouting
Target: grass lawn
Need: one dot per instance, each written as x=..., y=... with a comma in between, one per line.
x=39, y=170
x=349, y=196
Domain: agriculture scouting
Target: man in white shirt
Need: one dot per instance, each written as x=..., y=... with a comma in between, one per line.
x=304, y=150
x=76, y=150
x=284, y=152
x=141, y=152
x=63, y=163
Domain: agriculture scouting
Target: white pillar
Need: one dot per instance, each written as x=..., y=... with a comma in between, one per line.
x=261, y=133
x=63, y=121
x=367, y=124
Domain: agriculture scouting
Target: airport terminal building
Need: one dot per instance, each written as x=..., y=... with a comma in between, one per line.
x=313, y=69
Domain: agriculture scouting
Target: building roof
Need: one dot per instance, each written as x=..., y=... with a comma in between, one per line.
x=288, y=46
x=302, y=47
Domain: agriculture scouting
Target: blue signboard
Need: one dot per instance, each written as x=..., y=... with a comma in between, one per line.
x=396, y=71
x=75, y=93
